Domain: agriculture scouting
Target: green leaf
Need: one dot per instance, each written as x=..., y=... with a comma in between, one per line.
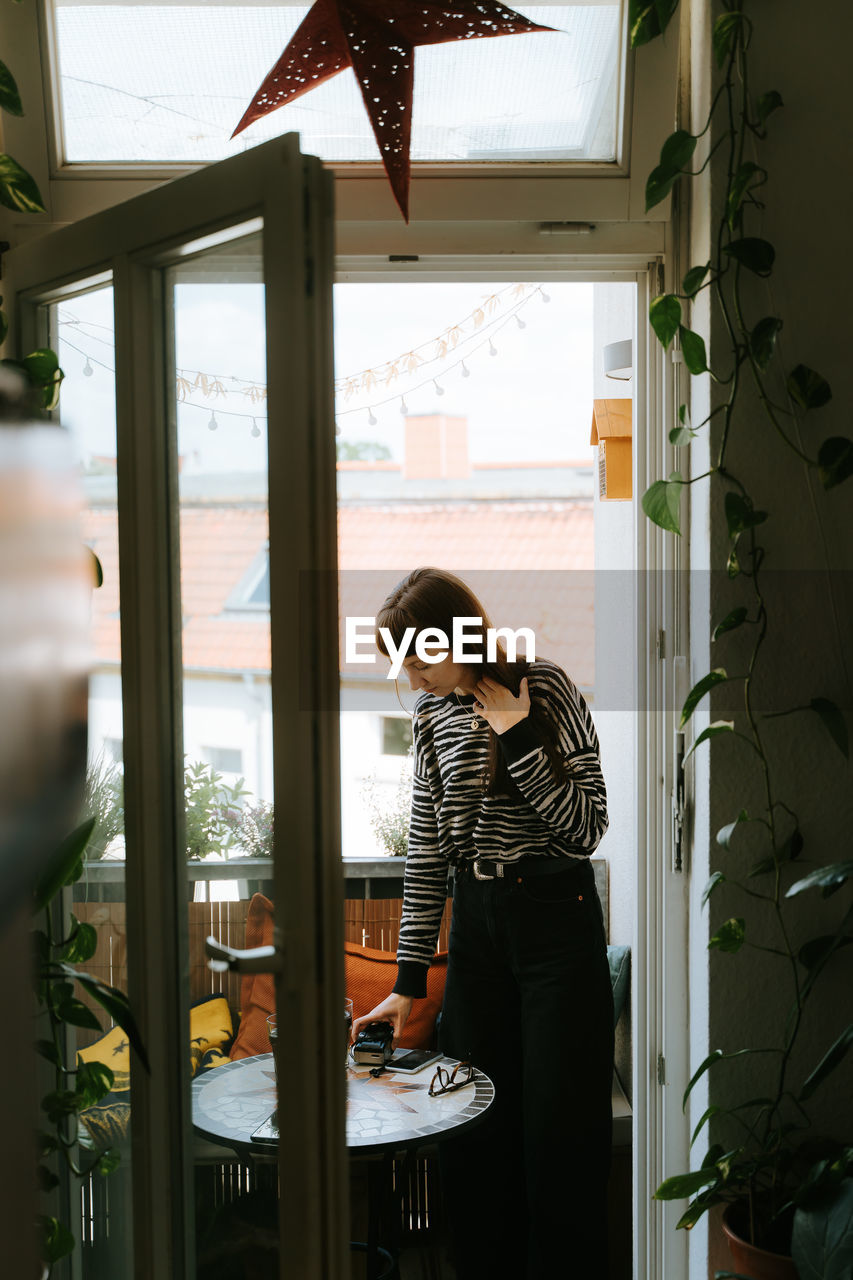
x=834, y=723
x=665, y=317
x=739, y=185
x=763, y=867
x=822, y=1240
x=734, y=619
x=703, y=1202
x=712, y=1111
x=767, y=103
x=4, y=327
x=78, y=1014
x=732, y=563
x=658, y=185
x=116, y=1005
x=646, y=20
x=740, y=514
x=725, y=30
x=835, y=461
x=833, y=1057
x=828, y=879
x=63, y=864
x=94, y=1081
x=60, y=1103
x=42, y=365
x=716, y=878
x=108, y=1162
x=754, y=254
x=661, y=502
x=713, y=730
x=817, y=950
x=82, y=944
x=731, y=1275
x=18, y=190
x=47, y=1049
x=680, y=436
x=762, y=340
x=684, y=1184
x=97, y=569
x=730, y=936
x=808, y=388
x=56, y=1240
x=693, y=349
x=724, y=835
x=691, y=282
x=697, y=693
x=10, y=98
x=677, y=150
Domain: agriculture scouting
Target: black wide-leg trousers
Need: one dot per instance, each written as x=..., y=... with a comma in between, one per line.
x=528, y=1000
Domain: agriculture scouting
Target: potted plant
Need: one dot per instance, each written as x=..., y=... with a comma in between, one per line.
x=103, y=801
x=788, y=1194
x=212, y=809
x=253, y=827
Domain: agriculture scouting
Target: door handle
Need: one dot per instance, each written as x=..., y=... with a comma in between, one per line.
x=253, y=960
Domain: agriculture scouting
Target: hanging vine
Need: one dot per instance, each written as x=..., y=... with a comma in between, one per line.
x=766, y=1167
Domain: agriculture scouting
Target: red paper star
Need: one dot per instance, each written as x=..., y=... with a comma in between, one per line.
x=377, y=38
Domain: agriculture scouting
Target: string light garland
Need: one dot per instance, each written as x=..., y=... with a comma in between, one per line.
x=453, y=339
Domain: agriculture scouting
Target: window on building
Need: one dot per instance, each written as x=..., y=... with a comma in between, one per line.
x=224, y=759
x=540, y=96
x=396, y=736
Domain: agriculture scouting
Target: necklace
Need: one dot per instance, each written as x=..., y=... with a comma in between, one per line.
x=475, y=723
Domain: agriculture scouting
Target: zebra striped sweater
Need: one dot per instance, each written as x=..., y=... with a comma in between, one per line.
x=452, y=820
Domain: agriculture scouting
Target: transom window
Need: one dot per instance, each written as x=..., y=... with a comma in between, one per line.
x=168, y=82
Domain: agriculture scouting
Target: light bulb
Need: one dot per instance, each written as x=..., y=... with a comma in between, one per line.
x=545, y=297
x=256, y=431
x=466, y=372
x=404, y=408
x=87, y=369
x=213, y=424
x=439, y=390
x=520, y=322
x=493, y=351
x=371, y=418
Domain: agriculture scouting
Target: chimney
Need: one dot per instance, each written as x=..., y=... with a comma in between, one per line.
x=436, y=446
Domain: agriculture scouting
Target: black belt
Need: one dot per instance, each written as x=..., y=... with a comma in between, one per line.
x=497, y=869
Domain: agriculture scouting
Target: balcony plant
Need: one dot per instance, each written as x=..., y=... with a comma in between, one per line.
x=389, y=820
x=787, y=1191
x=103, y=801
x=211, y=811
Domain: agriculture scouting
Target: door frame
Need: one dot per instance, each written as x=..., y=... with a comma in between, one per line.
x=130, y=245
x=659, y=995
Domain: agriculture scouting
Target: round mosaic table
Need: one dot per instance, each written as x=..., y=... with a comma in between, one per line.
x=390, y=1112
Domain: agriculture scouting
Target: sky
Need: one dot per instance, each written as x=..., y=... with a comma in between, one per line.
x=535, y=388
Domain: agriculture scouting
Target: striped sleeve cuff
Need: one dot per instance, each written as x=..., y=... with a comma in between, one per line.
x=411, y=979
x=519, y=740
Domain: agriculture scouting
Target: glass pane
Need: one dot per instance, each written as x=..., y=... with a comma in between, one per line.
x=195, y=68
x=215, y=309
x=82, y=333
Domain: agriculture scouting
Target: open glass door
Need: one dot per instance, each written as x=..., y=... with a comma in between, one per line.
x=210, y=499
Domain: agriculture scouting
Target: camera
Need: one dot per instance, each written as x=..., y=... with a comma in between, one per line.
x=373, y=1044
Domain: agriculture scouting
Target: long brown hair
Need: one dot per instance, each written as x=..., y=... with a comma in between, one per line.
x=429, y=597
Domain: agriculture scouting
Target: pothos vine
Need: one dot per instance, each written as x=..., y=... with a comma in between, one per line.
x=765, y=1166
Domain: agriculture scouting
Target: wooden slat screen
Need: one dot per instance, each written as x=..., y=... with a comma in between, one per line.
x=371, y=922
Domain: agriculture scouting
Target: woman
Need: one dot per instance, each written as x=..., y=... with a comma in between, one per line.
x=508, y=791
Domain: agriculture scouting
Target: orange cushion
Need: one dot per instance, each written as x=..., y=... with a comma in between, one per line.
x=370, y=975
x=257, y=990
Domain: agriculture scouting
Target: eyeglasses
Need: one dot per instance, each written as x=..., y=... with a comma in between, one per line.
x=446, y=1081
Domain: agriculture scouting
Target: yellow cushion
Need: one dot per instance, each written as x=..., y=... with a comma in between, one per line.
x=211, y=1033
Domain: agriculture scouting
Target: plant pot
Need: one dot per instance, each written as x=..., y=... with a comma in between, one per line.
x=751, y=1261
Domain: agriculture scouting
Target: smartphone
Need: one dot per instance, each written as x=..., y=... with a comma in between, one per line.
x=415, y=1060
